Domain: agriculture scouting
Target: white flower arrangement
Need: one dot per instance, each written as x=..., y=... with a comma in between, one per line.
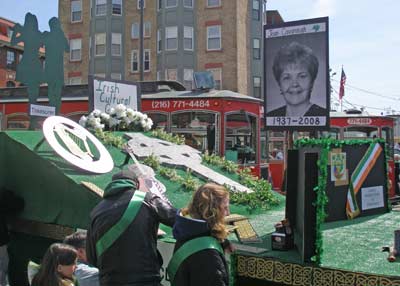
x=118, y=118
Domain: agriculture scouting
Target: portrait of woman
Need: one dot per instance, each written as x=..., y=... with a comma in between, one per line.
x=295, y=68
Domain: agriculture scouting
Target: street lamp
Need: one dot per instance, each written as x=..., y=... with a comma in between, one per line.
x=141, y=56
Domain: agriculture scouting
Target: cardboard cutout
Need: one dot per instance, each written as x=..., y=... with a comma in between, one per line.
x=56, y=44
x=30, y=71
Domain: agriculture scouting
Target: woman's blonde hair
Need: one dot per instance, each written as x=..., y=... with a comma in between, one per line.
x=206, y=205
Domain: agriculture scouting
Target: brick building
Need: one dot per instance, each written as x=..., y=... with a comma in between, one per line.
x=180, y=37
x=9, y=55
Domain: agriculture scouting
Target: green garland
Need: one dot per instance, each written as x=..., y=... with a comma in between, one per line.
x=326, y=144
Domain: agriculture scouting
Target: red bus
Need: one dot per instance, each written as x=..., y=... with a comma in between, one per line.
x=216, y=121
x=343, y=125
x=356, y=125
x=219, y=121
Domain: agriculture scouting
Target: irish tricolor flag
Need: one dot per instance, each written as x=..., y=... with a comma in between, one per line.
x=358, y=177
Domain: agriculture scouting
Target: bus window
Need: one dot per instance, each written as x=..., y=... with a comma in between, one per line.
x=198, y=128
x=332, y=133
x=387, y=134
x=17, y=121
x=159, y=120
x=263, y=146
x=240, y=138
x=276, y=145
x=360, y=132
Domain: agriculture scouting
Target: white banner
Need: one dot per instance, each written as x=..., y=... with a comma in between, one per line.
x=108, y=94
x=42, y=110
x=372, y=198
x=295, y=30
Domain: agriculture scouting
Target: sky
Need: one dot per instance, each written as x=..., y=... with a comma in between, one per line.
x=364, y=38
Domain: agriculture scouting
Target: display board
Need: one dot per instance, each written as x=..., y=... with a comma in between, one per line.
x=302, y=177
x=296, y=75
x=107, y=94
x=372, y=197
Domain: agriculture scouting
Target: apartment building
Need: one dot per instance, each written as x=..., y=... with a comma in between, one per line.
x=180, y=37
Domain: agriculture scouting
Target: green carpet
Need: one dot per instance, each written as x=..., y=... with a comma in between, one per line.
x=356, y=244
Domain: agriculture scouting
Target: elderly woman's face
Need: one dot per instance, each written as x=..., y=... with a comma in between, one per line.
x=296, y=84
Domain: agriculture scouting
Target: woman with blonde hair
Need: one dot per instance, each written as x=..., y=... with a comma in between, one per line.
x=57, y=267
x=200, y=235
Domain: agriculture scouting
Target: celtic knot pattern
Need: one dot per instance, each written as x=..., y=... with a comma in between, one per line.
x=273, y=270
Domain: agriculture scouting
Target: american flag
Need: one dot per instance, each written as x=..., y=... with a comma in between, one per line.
x=342, y=83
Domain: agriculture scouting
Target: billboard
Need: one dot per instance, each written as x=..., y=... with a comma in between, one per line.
x=106, y=94
x=296, y=75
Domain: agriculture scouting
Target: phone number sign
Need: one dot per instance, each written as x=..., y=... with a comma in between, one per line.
x=181, y=104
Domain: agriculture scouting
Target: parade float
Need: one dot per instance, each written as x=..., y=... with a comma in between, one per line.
x=314, y=245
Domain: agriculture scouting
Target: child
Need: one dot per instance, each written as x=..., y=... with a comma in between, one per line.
x=57, y=266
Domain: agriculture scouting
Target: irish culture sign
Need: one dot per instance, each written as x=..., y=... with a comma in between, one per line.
x=106, y=94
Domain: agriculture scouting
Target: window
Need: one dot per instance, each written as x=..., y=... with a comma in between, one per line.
x=147, y=29
x=188, y=3
x=214, y=38
x=158, y=75
x=159, y=5
x=138, y=4
x=159, y=120
x=100, y=44
x=256, y=49
x=9, y=33
x=75, y=46
x=188, y=38
x=115, y=44
x=75, y=80
x=101, y=7
x=159, y=41
x=193, y=126
x=188, y=78
x=76, y=11
x=146, y=60
x=171, y=74
x=116, y=7
x=116, y=76
x=170, y=3
x=135, y=31
x=171, y=38
x=11, y=60
x=102, y=75
x=257, y=86
x=256, y=9
x=217, y=74
x=213, y=3
x=135, y=61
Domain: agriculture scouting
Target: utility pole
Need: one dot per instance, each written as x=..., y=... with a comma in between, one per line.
x=141, y=36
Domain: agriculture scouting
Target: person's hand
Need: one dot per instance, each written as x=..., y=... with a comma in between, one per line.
x=160, y=232
x=142, y=184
